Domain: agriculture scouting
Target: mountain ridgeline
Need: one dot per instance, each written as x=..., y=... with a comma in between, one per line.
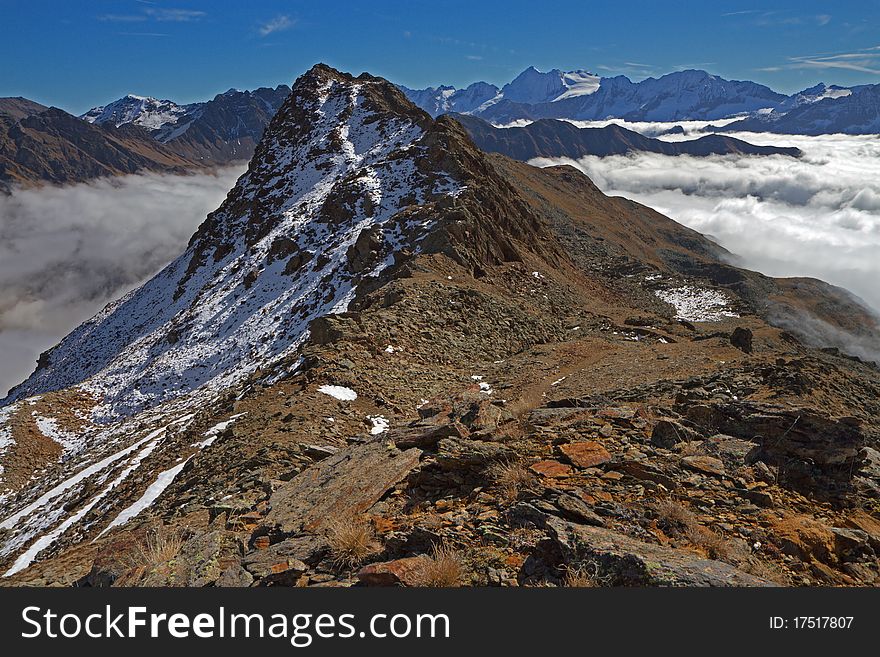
x=384, y=327
x=552, y=138
x=227, y=128
x=48, y=145
x=681, y=96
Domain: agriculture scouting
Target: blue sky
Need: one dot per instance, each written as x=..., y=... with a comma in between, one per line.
x=75, y=54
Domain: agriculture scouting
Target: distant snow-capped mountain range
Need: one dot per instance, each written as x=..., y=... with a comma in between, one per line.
x=223, y=129
x=684, y=95
x=40, y=144
x=690, y=95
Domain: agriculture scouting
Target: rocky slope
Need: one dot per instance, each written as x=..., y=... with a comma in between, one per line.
x=390, y=358
x=18, y=108
x=135, y=133
x=222, y=130
x=554, y=138
x=50, y=145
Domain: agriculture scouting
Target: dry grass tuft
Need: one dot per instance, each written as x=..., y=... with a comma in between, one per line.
x=675, y=519
x=352, y=540
x=580, y=578
x=586, y=575
x=444, y=569
x=690, y=448
x=714, y=545
x=511, y=478
x=158, y=546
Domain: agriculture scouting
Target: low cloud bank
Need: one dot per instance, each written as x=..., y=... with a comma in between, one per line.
x=815, y=216
x=819, y=333
x=67, y=251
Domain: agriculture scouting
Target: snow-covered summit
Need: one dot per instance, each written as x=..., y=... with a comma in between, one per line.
x=811, y=95
x=821, y=110
x=443, y=99
x=532, y=86
x=145, y=111
x=581, y=95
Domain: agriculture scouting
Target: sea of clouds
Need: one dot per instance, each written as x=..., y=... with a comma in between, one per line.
x=818, y=215
x=67, y=251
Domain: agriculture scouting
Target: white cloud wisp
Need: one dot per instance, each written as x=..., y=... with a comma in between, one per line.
x=67, y=251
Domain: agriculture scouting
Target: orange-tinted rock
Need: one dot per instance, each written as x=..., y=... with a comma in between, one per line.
x=552, y=469
x=587, y=454
x=705, y=464
x=400, y=572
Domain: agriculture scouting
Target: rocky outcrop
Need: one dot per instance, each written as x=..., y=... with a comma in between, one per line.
x=628, y=562
x=341, y=486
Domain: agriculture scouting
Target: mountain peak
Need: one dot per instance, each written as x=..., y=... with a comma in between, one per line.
x=145, y=111
x=345, y=178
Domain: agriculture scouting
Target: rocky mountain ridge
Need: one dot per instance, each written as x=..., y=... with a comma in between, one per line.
x=830, y=110
x=552, y=138
x=453, y=357
x=221, y=130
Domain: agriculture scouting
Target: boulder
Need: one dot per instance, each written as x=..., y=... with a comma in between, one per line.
x=551, y=469
x=668, y=432
x=343, y=485
x=741, y=338
x=585, y=454
x=626, y=561
x=400, y=572
x=704, y=464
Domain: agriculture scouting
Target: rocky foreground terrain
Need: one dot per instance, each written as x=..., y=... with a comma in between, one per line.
x=390, y=358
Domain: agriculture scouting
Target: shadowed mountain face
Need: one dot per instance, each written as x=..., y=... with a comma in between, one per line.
x=225, y=129
x=18, y=108
x=385, y=327
x=552, y=138
x=855, y=113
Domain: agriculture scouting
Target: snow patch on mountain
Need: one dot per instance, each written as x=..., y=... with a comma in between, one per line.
x=694, y=304
x=443, y=99
x=154, y=490
x=532, y=86
x=338, y=392
x=48, y=426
